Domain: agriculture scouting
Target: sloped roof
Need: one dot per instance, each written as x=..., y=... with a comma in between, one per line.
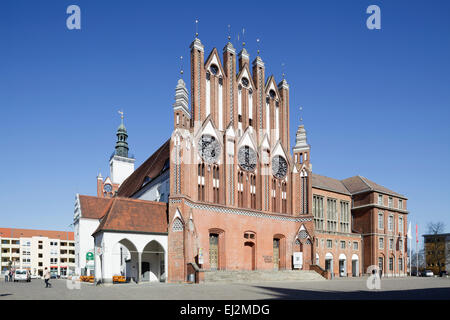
x=94, y=207
x=133, y=215
x=327, y=183
x=359, y=184
x=29, y=233
x=151, y=168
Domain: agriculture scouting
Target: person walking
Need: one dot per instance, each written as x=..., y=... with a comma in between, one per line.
x=47, y=278
x=7, y=276
x=11, y=273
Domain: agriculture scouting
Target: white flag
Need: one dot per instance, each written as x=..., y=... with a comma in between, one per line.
x=409, y=231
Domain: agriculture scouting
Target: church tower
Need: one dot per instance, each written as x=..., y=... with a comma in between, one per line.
x=120, y=164
x=302, y=172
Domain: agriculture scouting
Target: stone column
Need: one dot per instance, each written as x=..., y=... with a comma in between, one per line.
x=139, y=268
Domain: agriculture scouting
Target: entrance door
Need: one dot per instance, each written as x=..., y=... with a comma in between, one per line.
x=249, y=256
x=213, y=251
x=380, y=265
x=145, y=271
x=276, y=254
x=342, y=268
x=355, y=268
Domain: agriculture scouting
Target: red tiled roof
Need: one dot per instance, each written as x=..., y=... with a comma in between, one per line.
x=94, y=207
x=28, y=233
x=327, y=183
x=358, y=184
x=151, y=168
x=133, y=215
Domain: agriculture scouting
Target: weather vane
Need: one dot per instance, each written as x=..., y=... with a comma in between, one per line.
x=121, y=115
x=301, y=118
x=229, y=32
x=283, y=73
x=243, y=34
x=257, y=45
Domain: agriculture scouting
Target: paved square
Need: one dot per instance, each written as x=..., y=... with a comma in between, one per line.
x=396, y=288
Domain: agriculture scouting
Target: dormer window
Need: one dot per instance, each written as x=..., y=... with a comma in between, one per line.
x=214, y=69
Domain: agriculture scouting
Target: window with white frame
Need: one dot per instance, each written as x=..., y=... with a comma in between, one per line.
x=400, y=224
x=329, y=244
x=390, y=202
x=355, y=245
x=318, y=212
x=342, y=244
x=400, y=203
x=391, y=244
x=391, y=223
x=400, y=245
x=380, y=220
x=381, y=243
x=331, y=215
x=380, y=199
x=344, y=224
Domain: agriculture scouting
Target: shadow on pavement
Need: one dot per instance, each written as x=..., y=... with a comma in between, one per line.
x=413, y=294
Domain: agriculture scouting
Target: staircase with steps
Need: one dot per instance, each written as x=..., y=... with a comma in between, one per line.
x=261, y=275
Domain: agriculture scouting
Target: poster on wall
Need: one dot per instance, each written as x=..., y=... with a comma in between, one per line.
x=298, y=260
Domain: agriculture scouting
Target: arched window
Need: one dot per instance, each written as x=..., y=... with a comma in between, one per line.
x=253, y=191
x=283, y=198
x=274, y=195
x=216, y=184
x=201, y=182
x=240, y=189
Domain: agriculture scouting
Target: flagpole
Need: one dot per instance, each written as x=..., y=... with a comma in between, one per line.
x=410, y=247
x=417, y=252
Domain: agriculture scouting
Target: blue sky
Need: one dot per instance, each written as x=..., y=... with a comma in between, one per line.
x=376, y=102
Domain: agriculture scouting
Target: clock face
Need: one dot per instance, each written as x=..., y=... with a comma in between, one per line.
x=247, y=158
x=108, y=188
x=279, y=167
x=208, y=148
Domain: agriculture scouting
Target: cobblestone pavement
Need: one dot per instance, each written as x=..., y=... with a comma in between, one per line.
x=394, y=288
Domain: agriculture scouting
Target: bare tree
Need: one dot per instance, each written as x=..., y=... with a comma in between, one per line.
x=436, y=245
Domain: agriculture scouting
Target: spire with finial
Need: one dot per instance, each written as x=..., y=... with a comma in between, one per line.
x=283, y=72
x=196, y=28
x=243, y=37
x=197, y=44
x=181, y=66
x=301, y=144
x=122, y=136
x=301, y=118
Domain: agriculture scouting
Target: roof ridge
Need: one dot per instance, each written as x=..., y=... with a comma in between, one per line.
x=140, y=200
x=104, y=218
x=363, y=179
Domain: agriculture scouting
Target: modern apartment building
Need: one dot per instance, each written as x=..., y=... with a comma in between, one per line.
x=37, y=249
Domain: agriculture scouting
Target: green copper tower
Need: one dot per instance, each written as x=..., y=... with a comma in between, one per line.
x=122, y=136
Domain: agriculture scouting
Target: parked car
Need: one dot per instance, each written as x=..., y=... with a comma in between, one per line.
x=21, y=275
x=35, y=276
x=53, y=276
x=427, y=273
